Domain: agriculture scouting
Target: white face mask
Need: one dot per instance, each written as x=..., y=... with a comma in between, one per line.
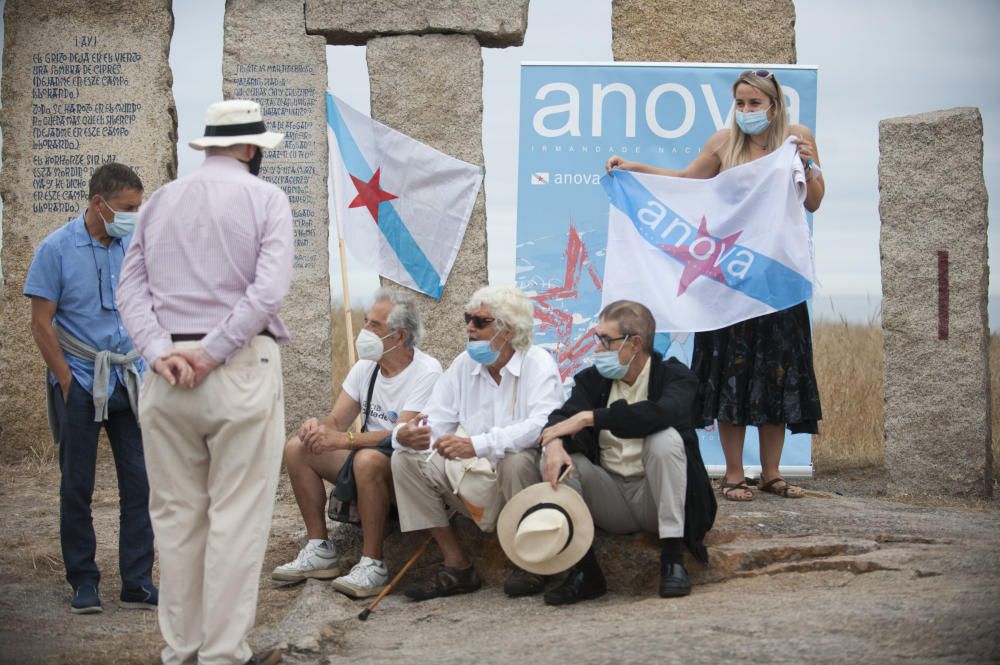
x=369, y=345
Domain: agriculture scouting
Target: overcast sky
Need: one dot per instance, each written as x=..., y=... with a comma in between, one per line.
x=876, y=60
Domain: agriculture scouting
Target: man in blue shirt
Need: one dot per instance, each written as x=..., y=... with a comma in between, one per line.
x=93, y=380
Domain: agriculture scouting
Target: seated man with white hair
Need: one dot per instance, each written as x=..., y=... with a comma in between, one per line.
x=491, y=404
x=389, y=385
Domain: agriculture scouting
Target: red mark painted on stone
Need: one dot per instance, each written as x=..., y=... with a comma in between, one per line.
x=943, y=294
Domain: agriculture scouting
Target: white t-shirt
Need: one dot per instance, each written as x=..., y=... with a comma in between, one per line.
x=410, y=390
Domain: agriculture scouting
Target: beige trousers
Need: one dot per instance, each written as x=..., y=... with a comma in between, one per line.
x=653, y=503
x=212, y=456
x=423, y=492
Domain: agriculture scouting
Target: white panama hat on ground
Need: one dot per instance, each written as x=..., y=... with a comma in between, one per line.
x=545, y=531
x=235, y=121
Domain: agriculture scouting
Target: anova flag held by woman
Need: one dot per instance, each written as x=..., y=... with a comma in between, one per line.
x=708, y=253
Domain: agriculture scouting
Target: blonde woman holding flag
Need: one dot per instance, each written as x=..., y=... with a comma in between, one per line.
x=757, y=372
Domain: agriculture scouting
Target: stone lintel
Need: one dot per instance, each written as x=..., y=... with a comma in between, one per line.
x=498, y=23
x=707, y=31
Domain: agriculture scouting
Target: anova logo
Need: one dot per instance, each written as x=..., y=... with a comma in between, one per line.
x=565, y=178
x=563, y=118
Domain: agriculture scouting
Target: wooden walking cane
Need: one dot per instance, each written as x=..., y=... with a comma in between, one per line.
x=413, y=559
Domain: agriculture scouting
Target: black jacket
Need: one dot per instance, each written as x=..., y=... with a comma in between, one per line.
x=670, y=404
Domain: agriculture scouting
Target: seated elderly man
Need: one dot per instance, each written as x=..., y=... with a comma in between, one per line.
x=491, y=404
x=627, y=432
x=390, y=384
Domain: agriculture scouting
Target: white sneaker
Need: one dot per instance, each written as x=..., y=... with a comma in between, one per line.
x=367, y=578
x=315, y=561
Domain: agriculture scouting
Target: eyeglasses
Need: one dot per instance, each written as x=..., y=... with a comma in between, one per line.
x=479, y=322
x=759, y=73
x=606, y=341
x=104, y=291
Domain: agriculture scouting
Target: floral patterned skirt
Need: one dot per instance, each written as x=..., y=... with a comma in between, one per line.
x=759, y=372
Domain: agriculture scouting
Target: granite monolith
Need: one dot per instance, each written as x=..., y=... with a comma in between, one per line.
x=83, y=84
x=935, y=278
x=707, y=31
x=269, y=58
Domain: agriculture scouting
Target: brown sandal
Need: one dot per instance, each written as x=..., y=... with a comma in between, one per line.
x=728, y=490
x=787, y=490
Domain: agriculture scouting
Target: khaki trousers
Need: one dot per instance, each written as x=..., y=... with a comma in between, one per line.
x=653, y=503
x=213, y=455
x=423, y=492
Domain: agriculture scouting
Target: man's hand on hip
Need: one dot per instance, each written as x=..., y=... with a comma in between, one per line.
x=64, y=383
x=174, y=369
x=200, y=362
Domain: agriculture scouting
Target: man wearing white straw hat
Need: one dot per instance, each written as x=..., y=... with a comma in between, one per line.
x=627, y=434
x=202, y=283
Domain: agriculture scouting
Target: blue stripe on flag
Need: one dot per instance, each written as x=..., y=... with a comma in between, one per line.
x=767, y=280
x=389, y=222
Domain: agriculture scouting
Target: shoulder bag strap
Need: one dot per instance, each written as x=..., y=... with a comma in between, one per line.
x=368, y=402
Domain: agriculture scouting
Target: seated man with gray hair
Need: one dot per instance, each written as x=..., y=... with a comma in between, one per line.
x=490, y=405
x=627, y=434
x=389, y=385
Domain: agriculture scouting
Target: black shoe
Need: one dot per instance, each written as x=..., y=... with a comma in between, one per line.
x=584, y=582
x=674, y=581
x=85, y=600
x=523, y=583
x=447, y=581
x=143, y=598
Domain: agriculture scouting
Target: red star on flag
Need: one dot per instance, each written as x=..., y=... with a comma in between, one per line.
x=705, y=259
x=370, y=194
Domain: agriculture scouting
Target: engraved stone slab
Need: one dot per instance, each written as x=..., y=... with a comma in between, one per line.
x=932, y=201
x=494, y=23
x=268, y=58
x=706, y=31
x=83, y=84
x=442, y=107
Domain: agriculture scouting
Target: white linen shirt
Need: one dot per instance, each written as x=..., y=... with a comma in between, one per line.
x=498, y=421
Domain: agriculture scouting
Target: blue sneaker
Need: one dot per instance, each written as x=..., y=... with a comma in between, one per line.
x=143, y=598
x=85, y=600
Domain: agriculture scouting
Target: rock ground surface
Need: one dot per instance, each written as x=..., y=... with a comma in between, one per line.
x=826, y=579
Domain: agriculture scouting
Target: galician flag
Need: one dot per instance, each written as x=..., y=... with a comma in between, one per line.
x=703, y=254
x=403, y=205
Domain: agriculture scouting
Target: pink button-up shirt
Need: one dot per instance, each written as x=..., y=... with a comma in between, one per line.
x=212, y=254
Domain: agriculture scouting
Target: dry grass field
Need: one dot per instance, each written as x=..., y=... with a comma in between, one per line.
x=848, y=361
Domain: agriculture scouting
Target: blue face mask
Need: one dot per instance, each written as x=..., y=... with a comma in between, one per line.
x=609, y=366
x=481, y=351
x=123, y=224
x=752, y=123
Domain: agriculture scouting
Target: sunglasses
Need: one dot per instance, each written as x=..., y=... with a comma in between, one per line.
x=606, y=341
x=479, y=322
x=759, y=73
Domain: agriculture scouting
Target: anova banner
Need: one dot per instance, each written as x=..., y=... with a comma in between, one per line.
x=573, y=117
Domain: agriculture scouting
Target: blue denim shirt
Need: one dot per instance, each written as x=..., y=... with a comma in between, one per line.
x=80, y=275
